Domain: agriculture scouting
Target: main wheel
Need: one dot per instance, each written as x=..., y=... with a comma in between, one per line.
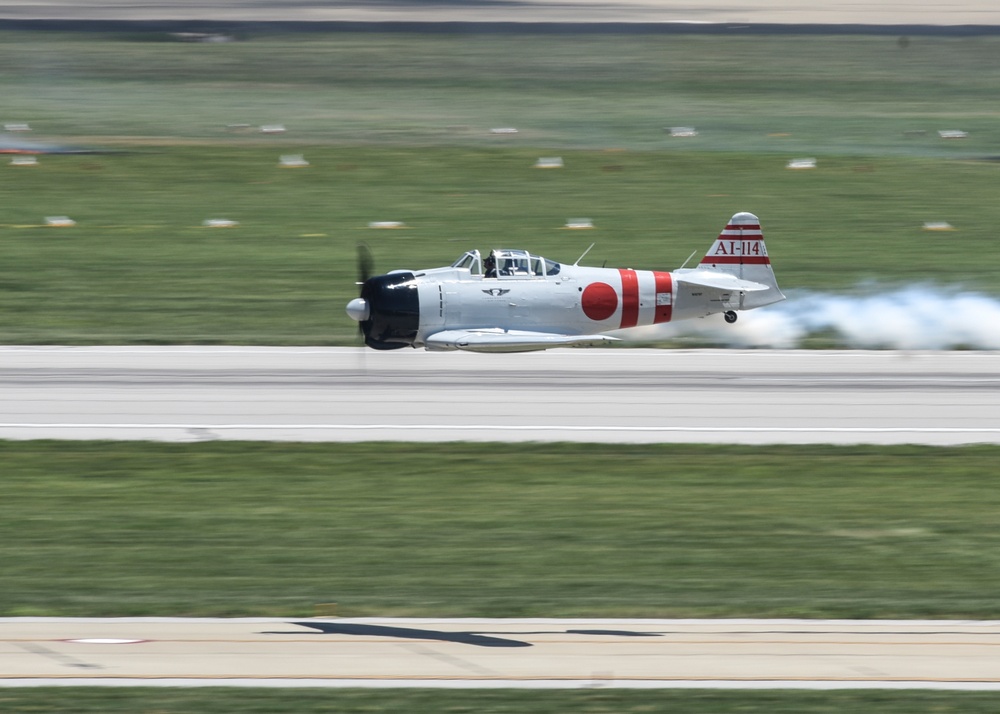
x=730, y=317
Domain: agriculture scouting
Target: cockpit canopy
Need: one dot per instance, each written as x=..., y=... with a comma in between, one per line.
x=507, y=263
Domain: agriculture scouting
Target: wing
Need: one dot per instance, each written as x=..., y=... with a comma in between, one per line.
x=497, y=340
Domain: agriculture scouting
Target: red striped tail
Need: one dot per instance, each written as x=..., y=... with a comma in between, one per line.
x=740, y=243
x=739, y=251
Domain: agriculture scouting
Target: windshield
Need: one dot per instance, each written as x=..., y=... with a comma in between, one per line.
x=469, y=261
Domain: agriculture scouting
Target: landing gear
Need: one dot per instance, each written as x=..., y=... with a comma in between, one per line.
x=730, y=316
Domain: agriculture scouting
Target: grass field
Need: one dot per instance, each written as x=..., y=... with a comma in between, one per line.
x=830, y=94
x=262, y=701
x=396, y=128
x=114, y=529
x=270, y=529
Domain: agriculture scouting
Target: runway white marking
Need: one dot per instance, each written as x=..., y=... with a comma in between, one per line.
x=498, y=684
x=524, y=428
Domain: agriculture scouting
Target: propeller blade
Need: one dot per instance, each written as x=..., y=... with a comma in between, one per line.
x=366, y=264
x=366, y=268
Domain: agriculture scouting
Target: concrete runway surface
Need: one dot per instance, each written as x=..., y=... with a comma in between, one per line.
x=878, y=12
x=613, y=396
x=539, y=653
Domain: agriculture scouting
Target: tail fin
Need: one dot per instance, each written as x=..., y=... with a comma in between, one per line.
x=739, y=251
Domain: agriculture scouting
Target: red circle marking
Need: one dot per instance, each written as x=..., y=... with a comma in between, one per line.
x=599, y=301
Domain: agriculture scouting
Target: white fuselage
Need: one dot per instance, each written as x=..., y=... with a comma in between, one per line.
x=576, y=301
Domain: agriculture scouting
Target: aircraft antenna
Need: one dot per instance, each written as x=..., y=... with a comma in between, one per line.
x=689, y=259
x=584, y=253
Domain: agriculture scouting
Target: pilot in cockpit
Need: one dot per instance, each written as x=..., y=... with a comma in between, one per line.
x=490, y=266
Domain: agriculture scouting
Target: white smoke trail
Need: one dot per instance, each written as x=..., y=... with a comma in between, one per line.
x=922, y=317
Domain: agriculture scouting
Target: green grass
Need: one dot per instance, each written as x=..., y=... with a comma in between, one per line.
x=140, y=267
x=839, y=93
x=120, y=529
x=251, y=701
x=396, y=128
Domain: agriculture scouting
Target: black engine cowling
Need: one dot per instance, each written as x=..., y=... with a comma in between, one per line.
x=393, y=311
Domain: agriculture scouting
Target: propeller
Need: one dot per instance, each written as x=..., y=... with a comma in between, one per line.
x=366, y=264
x=358, y=307
x=387, y=309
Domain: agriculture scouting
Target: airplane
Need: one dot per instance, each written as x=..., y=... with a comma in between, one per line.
x=515, y=301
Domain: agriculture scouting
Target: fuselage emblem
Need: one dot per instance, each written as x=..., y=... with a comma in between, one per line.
x=497, y=292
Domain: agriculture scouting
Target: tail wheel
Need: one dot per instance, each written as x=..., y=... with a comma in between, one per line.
x=730, y=316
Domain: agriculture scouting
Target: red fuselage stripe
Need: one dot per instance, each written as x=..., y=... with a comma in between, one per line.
x=630, y=298
x=664, y=286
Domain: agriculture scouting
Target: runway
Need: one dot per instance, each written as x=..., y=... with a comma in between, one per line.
x=535, y=653
x=613, y=396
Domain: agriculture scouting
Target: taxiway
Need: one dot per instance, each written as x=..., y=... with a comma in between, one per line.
x=539, y=653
